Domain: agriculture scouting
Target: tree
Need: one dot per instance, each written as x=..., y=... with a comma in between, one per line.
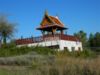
x=0, y=40
x=91, y=40
x=82, y=36
x=97, y=39
x=94, y=41
x=6, y=29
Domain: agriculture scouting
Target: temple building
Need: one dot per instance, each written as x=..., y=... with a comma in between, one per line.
x=53, y=36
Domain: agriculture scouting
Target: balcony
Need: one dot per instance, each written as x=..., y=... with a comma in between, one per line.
x=46, y=38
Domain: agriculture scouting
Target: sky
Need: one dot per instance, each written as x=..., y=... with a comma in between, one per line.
x=76, y=15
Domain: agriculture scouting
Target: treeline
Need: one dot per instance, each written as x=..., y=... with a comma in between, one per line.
x=92, y=42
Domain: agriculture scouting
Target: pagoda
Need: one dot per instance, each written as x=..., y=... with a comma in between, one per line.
x=51, y=25
x=52, y=36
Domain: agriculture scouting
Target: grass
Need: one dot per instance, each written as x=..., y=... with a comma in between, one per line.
x=15, y=72
x=15, y=51
x=59, y=66
x=45, y=61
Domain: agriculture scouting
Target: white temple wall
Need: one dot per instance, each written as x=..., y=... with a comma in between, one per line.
x=70, y=44
x=61, y=43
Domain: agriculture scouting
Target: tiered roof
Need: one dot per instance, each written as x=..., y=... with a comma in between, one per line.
x=50, y=21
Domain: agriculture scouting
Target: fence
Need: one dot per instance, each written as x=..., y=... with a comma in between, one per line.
x=46, y=38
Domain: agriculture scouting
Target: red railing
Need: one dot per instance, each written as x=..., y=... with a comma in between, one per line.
x=46, y=38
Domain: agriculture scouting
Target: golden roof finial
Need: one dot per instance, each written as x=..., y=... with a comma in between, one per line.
x=46, y=12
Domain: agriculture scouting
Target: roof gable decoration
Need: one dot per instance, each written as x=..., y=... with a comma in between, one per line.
x=50, y=20
x=56, y=20
x=46, y=19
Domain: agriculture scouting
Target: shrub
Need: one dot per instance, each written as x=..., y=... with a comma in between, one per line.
x=35, y=65
x=53, y=71
x=44, y=50
x=11, y=50
x=83, y=54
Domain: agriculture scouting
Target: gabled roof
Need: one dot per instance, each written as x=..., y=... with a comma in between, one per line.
x=56, y=21
x=49, y=21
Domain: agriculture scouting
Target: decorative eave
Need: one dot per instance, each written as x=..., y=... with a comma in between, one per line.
x=51, y=26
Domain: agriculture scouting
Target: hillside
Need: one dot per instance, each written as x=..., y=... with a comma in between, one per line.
x=44, y=61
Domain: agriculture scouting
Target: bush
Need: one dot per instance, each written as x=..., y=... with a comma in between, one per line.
x=44, y=50
x=53, y=71
x=87, y=53
x=11, y=50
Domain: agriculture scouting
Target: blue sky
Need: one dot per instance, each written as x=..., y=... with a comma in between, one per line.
x=75, y=14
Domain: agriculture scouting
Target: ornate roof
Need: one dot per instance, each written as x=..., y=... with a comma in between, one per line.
x=56, y=20
x=50, y=21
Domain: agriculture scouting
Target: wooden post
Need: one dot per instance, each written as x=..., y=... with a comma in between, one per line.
x=54, y=30
x=42, y=32
x=62, y=32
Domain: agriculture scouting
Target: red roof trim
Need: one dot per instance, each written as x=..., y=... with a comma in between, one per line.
x=42, y=27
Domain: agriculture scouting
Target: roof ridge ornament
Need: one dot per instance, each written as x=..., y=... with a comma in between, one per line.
x=46, y=13
x=57, y=16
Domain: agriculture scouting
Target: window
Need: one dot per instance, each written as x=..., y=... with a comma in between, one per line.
x=54, y=47
x=79, y=48
x=65, y=48
x=73, y=48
